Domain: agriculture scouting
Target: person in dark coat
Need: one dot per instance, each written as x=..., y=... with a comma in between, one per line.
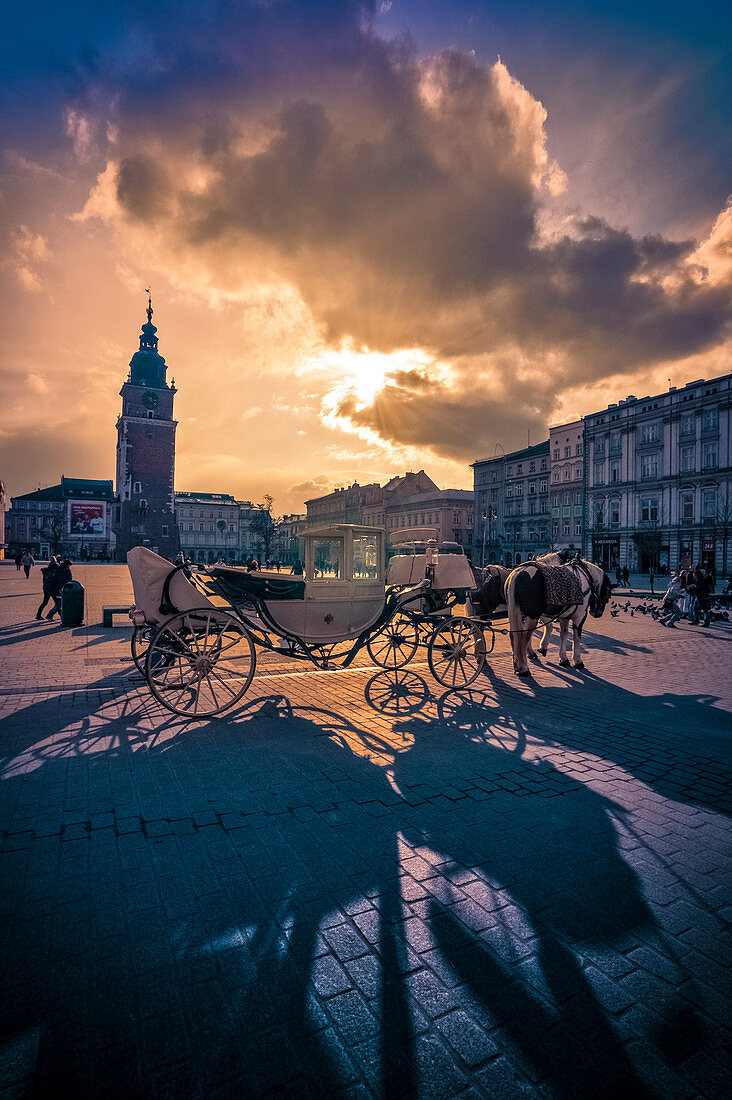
x=18, y=560
x=62, y=577
x=50, y=590
x=626, y=576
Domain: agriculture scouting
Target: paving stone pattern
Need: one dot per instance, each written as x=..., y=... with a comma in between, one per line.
x=360, y=885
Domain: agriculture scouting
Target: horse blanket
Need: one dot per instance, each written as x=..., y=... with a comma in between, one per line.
x=562, y=587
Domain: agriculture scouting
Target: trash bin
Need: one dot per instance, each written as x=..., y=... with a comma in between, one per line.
x=72, y=604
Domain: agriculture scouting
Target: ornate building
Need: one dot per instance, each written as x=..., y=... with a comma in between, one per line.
x=146, y=453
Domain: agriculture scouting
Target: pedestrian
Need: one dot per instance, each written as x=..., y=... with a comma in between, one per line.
x=692, y=588
x=18, y=560
x=626, y=576
x=704, y=590
x=279, y=565
x=297, y=568
x=651, y=575
x=180, y=560
x=50, y=587
x=671, y=610
x=618, y=575
x=27, y=561
x=61, y=577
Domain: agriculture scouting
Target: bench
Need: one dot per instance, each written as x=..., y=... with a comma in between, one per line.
x=108, y=612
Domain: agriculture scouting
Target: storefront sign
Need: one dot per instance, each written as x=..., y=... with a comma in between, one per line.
x=708, y=546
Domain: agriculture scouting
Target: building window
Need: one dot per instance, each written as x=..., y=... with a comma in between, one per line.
x=688, y=426
x=543, y=464
x=687, y=506
x=532, y=467
x=598, y=476
x=567, y=473
x=651, y=433
x=164, y=530
x=710, y=420
x=568, y=454
x=542, y=486
x=150, y=415
x=599, y=446
x=649, y=509
x=566, y=526
x=555, y=455
x=520, y=468
x=709, y=460
x=519, y=490
x=615, y=470
x=555, y=529
x=649, y=466
x=555, y=476
x=578, y=450
x=532, y=508
x=201, y=527
x=532, y=488
x=190, y=526
x=615, y=513
x=709, y=503
x=137, y=487
x=687, y=459
x=578, y=528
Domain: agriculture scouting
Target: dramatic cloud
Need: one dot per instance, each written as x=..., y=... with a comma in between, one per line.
x=380, y=239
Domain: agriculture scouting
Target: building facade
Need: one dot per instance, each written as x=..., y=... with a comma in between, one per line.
x=659, y=479
x=146, y=453
x=3, y=499
x=407, y=500
x=215, y=526
x=73, y=518
x=511, y=502
x=567, y=485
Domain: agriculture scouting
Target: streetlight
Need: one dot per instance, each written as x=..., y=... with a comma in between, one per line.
x=490, y=516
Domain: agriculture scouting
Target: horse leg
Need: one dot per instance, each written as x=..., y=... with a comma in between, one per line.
x=577, y=648
x=530, y=651
x=563, y=638
x=520, y=634
x=543, y=645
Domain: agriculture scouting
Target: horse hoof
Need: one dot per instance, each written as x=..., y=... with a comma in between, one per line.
x=565, y=663
x=532, y=656
x=580, y=665
x=543, y=652
x=523, y=672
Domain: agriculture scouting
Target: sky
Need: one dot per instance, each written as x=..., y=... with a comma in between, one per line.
x=380, y=236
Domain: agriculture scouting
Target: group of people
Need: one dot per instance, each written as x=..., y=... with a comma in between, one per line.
x=689, y=593
x=24, y=561
x=55, y=575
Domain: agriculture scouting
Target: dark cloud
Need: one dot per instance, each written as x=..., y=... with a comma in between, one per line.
x=401, y=196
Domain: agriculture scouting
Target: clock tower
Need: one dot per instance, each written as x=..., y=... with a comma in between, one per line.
x=145, y=514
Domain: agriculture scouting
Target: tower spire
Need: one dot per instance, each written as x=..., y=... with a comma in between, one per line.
x=149, y=305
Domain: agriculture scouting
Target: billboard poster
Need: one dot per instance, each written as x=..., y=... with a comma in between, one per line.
x=86, y=519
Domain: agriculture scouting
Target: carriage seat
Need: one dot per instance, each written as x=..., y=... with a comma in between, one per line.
x=238, y=584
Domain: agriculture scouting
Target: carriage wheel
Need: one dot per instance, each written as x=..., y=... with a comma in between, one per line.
x=200, y=663
x=396, y=643
x=141, y=637
x=456, y=653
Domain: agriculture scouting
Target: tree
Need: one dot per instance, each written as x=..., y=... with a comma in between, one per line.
x=54, y=529
x=263, y=524
x=649, y=537
x=722, y=522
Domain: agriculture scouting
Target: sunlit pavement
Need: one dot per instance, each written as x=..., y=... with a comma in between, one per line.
x=359, y=886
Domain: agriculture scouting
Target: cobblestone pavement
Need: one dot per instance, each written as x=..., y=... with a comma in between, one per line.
x=355, y=886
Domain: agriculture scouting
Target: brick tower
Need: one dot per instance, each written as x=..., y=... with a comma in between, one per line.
x=145, y=514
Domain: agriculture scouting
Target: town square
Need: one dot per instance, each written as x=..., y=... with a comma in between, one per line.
x=365, y=550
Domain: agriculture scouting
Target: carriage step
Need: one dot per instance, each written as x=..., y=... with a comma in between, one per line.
x=109, y=612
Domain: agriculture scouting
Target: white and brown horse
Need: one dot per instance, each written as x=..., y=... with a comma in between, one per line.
x=531, y=596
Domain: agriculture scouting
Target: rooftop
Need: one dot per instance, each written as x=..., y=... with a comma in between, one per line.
x=72, y=488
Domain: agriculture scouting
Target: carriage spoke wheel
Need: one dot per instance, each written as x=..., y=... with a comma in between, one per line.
x=141, y=636
x=456, y=653
x=200, y=663
x=396, y=643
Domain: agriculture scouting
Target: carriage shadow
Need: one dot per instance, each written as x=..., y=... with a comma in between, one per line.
x=238, y=943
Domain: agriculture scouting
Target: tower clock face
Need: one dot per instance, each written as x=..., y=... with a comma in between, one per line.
x=150, y=401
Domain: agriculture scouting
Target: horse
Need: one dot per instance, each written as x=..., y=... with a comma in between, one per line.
x=549, y=590
x=489, y=595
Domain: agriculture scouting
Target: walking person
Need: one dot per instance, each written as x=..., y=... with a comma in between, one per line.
x=27, y=561
x=672, y=611
x=18, y=560
x=61, y=577
x=50, y=589
x=692, y=588
x=651, y=575
x=626, y=576
x=705, y=587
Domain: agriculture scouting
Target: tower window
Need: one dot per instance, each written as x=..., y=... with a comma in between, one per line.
x=150, y=415
x=164, y=530
x=137, y=487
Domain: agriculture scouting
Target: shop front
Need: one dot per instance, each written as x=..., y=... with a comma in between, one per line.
x=708, y=554
x=606, y=552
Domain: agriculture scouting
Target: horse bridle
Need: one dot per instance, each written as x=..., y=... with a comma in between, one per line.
x=594, y=592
